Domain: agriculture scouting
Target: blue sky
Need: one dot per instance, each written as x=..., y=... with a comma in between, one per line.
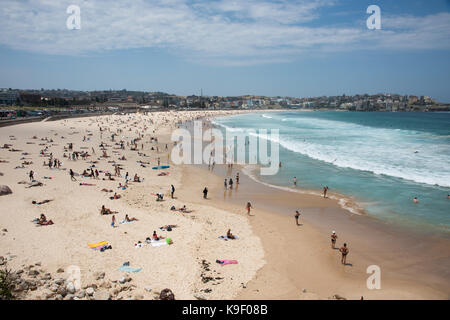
x=287, y=48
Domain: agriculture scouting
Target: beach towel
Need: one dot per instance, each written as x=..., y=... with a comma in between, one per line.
x=225, y=262
x=159, y=243
x=125, y=221
x=226, y=238
x=129, y=269
x=98, y=244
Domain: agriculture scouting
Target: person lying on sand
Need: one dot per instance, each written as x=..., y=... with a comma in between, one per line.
x=128, y=219
x=40, y=202
x=136, y=178
x=115, y=196
x=105, y=210
x=106, y=190
x=43, y=221
x=168, y=227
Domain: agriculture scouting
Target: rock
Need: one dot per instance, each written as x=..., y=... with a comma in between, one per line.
x=167, y=294
x=198, y=296
x=139, y=297
x=5, y=190
x=90, y=291
x=303, y=290
x=338, y=297
x=128, y=279
x=148, y=289
x=38, y=264
x=81, y=294
x=102, y=295
x=54, y=287
x=5, y=230
x=46, y=276
x=70, y=287
x=62, y=291
x=60, y=270
x=59, y=281
x=59, y=297
x=122, y=280
x=2, y=261
x=20, y=271
x=33, y=273
x=99, y=275
x=69, y=297
x=106, y=285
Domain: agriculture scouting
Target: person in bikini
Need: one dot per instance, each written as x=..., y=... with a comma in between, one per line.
x=230, y=235
x=344, y=251
x=128, y=219
x=248, y=207
x=333, y=239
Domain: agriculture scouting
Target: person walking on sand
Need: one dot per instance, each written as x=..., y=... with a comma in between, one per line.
x=237, y=178
x=230, y=183
x=295, y=181
x=31, y=175
x=225, y=183
x=297, y=215
x=325, y=190
x=344, y=251
x=113, y=221
x=248, y=207
x=333, y=239
x=172, y=190
x=72, y=175
x=205, y=193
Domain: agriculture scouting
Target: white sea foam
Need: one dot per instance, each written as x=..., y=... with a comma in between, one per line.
x=407, y=154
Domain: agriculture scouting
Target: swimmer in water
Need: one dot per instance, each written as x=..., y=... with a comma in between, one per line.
x=415, y=200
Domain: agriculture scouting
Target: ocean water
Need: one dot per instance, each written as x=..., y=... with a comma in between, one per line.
x=383, y=160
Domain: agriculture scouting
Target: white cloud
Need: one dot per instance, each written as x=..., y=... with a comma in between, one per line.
x=233, y=32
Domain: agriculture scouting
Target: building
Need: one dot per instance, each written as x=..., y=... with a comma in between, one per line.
x=8, y=97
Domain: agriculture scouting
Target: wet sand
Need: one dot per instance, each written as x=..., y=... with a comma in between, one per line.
x=413, y=265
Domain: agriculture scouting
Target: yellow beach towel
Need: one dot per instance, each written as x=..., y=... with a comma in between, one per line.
x=98, y=244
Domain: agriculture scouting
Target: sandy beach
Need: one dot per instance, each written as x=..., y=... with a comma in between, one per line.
x=276, y=259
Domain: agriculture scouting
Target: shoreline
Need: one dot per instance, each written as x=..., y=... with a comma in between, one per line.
x=371, y=242
x=346, y=201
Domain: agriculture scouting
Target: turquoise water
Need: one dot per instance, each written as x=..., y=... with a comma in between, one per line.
x=384, y=160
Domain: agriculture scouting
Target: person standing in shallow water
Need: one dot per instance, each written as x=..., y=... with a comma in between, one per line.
x=295, y=181
x=205, y=193
x=297, y=215
x=325, y=190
